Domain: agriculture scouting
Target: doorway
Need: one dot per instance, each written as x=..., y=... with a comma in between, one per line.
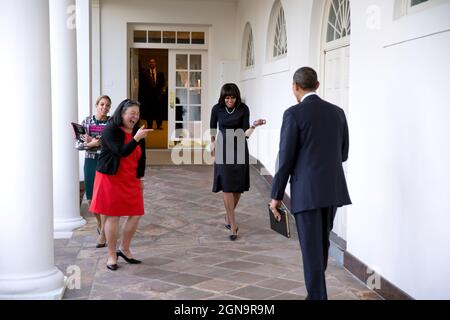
x=151, y=93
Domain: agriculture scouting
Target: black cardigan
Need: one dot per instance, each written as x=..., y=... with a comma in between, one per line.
x=113, y=149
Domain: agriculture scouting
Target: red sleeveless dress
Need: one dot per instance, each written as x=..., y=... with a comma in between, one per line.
x=119, y=194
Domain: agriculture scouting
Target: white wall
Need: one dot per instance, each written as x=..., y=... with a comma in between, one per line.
x=399, y=173
x=398, y=170
x=267, y=88
x=115, y=14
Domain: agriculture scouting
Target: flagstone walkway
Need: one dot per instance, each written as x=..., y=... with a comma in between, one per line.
x=186, y=252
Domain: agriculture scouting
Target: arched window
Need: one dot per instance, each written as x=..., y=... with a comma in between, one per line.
x=277, y=32
x=338, y=20
x=248, y=47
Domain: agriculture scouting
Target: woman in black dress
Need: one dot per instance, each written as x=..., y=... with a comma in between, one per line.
x=231, y=166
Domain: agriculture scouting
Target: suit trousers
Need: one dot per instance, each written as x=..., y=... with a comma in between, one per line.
x=314, y=227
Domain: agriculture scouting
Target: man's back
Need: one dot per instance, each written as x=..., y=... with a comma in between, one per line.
x=318, y=136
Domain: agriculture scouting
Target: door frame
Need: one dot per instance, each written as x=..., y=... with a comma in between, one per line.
x=131, y=27
x=341, y=215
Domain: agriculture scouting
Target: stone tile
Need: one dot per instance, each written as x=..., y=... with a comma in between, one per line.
x=210, y=259
x=154, y=273
x=156, y=261
x=224, y=297
x=185, y=279
x=288, y=296
x=189, y=294
x=217, y=285
x=254, y=293
x=280, y=284
x=238, y=265
x=243, y=277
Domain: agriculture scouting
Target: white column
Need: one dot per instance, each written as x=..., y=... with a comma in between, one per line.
x=84, y=67
x=27, y=269
x=66, y=194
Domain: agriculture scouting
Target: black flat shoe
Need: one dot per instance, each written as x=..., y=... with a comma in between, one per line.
x=100, y=245
x=129, y=260
x=112, y=267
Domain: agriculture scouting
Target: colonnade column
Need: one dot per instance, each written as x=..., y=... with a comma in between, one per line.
x=27, y=269
x=66, y=185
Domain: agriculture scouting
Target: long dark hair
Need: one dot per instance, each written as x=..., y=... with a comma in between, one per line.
x=120, y=110
x=230, y=90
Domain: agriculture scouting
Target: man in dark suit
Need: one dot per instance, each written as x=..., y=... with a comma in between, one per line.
x=151, y=88
x=313, y=145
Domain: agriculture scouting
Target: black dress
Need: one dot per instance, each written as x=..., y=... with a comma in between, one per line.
x=231, y=171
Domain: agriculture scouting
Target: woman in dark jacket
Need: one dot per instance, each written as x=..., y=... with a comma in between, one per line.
x=118, y=187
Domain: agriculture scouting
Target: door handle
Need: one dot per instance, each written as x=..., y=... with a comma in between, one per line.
x=172, y=100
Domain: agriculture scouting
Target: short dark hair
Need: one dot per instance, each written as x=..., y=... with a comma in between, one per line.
x=230, y=90
x=120, y=110
x=306, y=78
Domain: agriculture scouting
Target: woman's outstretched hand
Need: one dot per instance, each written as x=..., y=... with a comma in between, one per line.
x=141, y=133
x=259, y=122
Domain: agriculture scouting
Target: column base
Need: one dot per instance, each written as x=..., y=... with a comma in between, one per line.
x=46, y=286
x=63, y=228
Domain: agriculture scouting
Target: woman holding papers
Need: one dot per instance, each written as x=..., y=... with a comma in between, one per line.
x=91, y=142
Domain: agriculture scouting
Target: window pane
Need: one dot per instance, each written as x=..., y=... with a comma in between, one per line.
x=181, y=96
x=339, y=22
x=182, y=79
x=196, y=79
x=154, y=36
x=416, y=2
x=195, y=96
x=183, y=37
x=181, y=130
x=140, y=36
x=196, y=62
x=195, y=113
x=169, y=36
x=181, y=113
x=198, y=38
x=182, y=62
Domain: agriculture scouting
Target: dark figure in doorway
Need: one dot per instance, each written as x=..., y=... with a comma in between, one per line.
x=152, y=85
x=314, y=143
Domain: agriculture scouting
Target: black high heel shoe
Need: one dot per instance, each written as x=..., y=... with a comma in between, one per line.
x=129, y=260
x=112, y=267
x=233, y=237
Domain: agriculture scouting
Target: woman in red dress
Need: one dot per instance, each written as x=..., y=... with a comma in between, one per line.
x=118, y=187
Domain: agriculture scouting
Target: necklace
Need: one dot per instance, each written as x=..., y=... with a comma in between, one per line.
x=226, y=109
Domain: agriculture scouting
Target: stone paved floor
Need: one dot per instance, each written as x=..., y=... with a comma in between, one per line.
x=186, y=252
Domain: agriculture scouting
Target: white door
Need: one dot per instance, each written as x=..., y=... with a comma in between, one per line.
x=187, y=74
x=336, y=89
x=134, y=73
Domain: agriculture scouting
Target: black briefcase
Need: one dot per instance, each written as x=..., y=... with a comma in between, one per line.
x=282, y=226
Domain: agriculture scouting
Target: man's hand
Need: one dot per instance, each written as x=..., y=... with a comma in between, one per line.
x=274, y=204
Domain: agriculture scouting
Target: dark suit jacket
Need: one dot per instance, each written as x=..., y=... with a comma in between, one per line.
x=314, y=142
x=147, y=93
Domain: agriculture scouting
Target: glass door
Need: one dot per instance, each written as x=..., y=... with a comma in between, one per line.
x=187, y=72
